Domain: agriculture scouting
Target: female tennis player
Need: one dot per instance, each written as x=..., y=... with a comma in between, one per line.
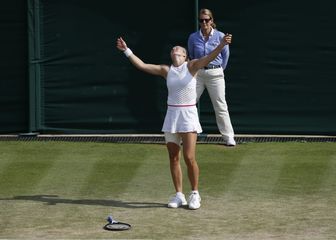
x=181, y=124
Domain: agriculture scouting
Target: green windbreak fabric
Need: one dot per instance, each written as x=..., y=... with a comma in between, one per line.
x=280, y=78
x=281, y=75
x=90, y=86
x=13, y=67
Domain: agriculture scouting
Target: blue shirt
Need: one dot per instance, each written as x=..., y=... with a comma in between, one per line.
x=198, y=47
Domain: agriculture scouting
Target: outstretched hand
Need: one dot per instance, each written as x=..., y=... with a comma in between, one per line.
x=121, y=44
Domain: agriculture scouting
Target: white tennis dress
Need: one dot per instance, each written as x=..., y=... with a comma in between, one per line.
x=182, y=113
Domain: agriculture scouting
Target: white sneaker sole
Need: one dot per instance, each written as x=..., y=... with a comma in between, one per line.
x=194, y=207
x=172, y=205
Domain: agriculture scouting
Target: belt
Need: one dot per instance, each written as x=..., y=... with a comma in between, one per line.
x=181, y=105
x=211, y=66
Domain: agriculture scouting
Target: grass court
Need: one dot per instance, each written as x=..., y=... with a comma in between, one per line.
x=65, y=190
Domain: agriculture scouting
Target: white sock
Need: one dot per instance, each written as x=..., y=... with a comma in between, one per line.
x=195, y=192
x=179, y=194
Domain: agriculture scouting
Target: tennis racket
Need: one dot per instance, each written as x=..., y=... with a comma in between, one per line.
x=113, y=225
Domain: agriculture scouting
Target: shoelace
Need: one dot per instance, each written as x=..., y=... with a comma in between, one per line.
x=175, y=199
x=193, y=197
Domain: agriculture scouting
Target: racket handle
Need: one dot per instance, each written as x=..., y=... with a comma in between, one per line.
x=110, y=219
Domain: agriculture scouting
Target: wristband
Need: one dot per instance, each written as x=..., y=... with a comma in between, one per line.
x=128, y=52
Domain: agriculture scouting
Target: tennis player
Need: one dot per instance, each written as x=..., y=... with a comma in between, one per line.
x=181, y=124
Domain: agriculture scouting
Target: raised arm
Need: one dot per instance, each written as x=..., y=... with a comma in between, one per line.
x=196, y=64
x=160, y=70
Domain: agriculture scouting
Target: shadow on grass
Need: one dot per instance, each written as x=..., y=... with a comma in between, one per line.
x=54, y=199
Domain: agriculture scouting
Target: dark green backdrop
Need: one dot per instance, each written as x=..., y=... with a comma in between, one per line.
x=13, y=67
x=60, y=70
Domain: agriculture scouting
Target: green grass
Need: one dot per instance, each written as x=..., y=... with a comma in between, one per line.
x=65, y=190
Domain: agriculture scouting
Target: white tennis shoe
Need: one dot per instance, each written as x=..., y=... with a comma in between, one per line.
x=177, y=201
x=194, y=201
x=230, y=142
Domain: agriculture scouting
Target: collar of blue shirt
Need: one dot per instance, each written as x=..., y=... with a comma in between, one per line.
x=211, y=33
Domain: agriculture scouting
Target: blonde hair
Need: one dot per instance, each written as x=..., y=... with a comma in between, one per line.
x=184, y=50
x=205, y=11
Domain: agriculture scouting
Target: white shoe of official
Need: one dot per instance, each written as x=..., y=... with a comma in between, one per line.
x=177, y=201
x=229, y=141
x=194, y=201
